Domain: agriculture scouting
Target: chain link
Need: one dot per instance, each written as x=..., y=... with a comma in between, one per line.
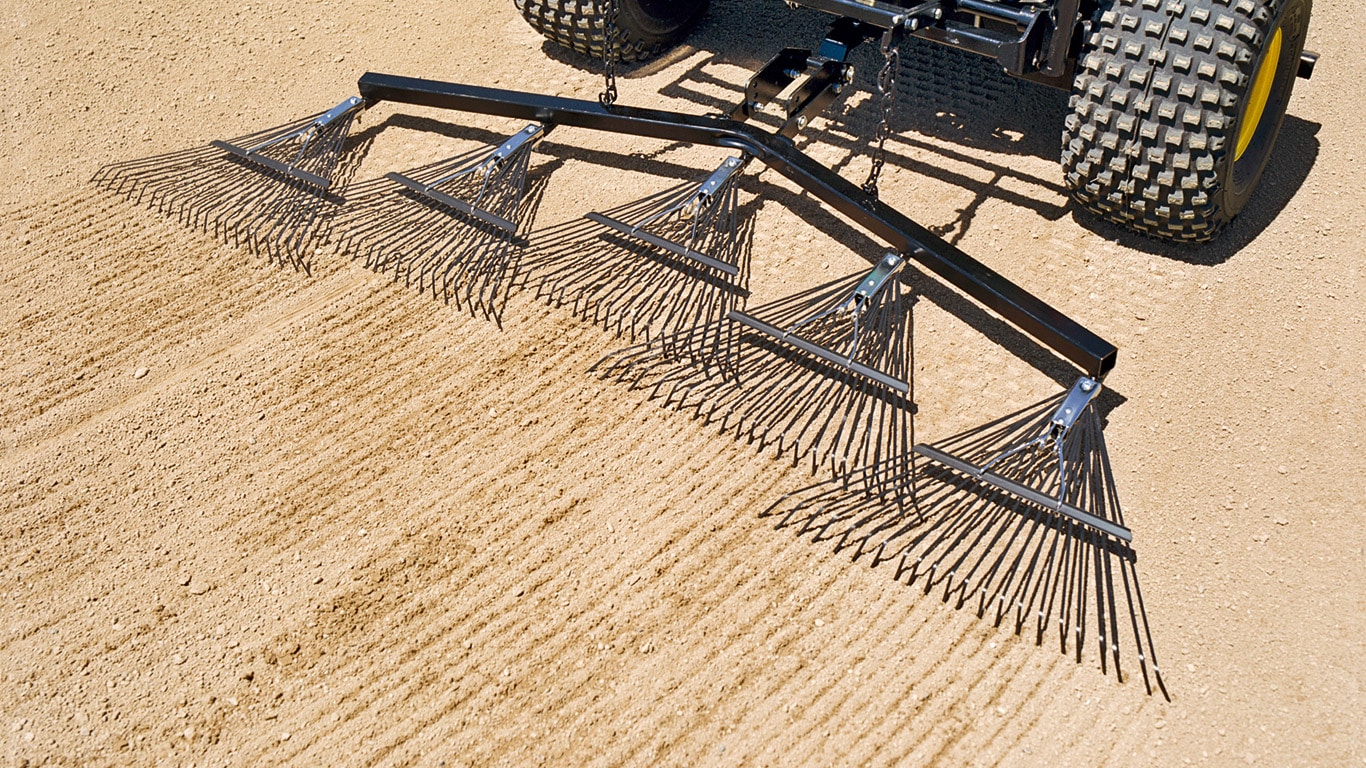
x=608, y=97
x=886, y=85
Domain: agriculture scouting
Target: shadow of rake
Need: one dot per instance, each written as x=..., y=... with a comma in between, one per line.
x=1011, y=561
x=244, y=204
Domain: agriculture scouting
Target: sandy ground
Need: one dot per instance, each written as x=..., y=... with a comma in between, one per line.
x=253, y=516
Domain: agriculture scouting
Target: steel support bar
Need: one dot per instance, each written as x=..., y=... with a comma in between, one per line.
x=884, y=15
x=1092, y=354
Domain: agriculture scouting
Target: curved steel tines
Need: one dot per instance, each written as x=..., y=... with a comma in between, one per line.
x=1051, y=455
x=453, y=229
x=633, y=280
x=1010, y=560
x=834, y=326
x=771, y=393
x=274, y=213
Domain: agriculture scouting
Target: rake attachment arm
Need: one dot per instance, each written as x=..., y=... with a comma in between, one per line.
x=304, y=137
x=1092, y=354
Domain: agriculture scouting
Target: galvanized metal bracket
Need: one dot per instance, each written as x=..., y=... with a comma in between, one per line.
x=304, y=136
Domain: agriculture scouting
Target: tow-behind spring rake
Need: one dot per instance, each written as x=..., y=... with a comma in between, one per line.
x=268, y=192
x=666, y=267
x=452, y=228
x=982, y=524
x=824, y=374
x=1060, y=447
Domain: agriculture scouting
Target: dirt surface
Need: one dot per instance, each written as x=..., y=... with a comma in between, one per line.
x=257, y=516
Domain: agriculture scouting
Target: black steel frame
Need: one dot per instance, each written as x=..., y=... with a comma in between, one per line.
x=1037, y=42
x=1032, y=42
x=1086, y=350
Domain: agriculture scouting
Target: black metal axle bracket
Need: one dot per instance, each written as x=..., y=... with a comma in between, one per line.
x=1092, y=354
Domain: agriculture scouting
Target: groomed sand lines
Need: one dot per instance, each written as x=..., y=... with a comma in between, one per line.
x=403, y=509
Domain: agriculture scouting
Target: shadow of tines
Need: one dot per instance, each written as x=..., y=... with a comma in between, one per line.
x=276, y=206
x=769, y=391
x=429, y=243
x=1010, y=560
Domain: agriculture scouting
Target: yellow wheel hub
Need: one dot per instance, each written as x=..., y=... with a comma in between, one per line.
x=1256, y=98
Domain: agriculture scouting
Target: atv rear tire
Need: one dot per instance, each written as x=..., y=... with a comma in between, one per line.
x=1176, y=107
x=645, y=28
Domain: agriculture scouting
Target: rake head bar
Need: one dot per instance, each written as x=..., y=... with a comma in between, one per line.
x=1008, y=559
x=273, y=197
x=695, y=216
x=1066, y=448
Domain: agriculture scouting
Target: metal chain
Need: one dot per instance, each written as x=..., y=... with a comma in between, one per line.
x=608, y=97
x=886, y=85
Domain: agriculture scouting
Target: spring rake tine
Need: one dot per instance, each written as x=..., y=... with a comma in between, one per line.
x=451, y=229
x=984, y=548
x=269, y=192
x=665, y=268
x=817, y=391
x=1063, y=449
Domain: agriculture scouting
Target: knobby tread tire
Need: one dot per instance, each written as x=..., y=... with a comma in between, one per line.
x=1150, y=140
x=577, y=25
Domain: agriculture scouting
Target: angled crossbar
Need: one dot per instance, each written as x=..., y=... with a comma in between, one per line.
x=1092, y=354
